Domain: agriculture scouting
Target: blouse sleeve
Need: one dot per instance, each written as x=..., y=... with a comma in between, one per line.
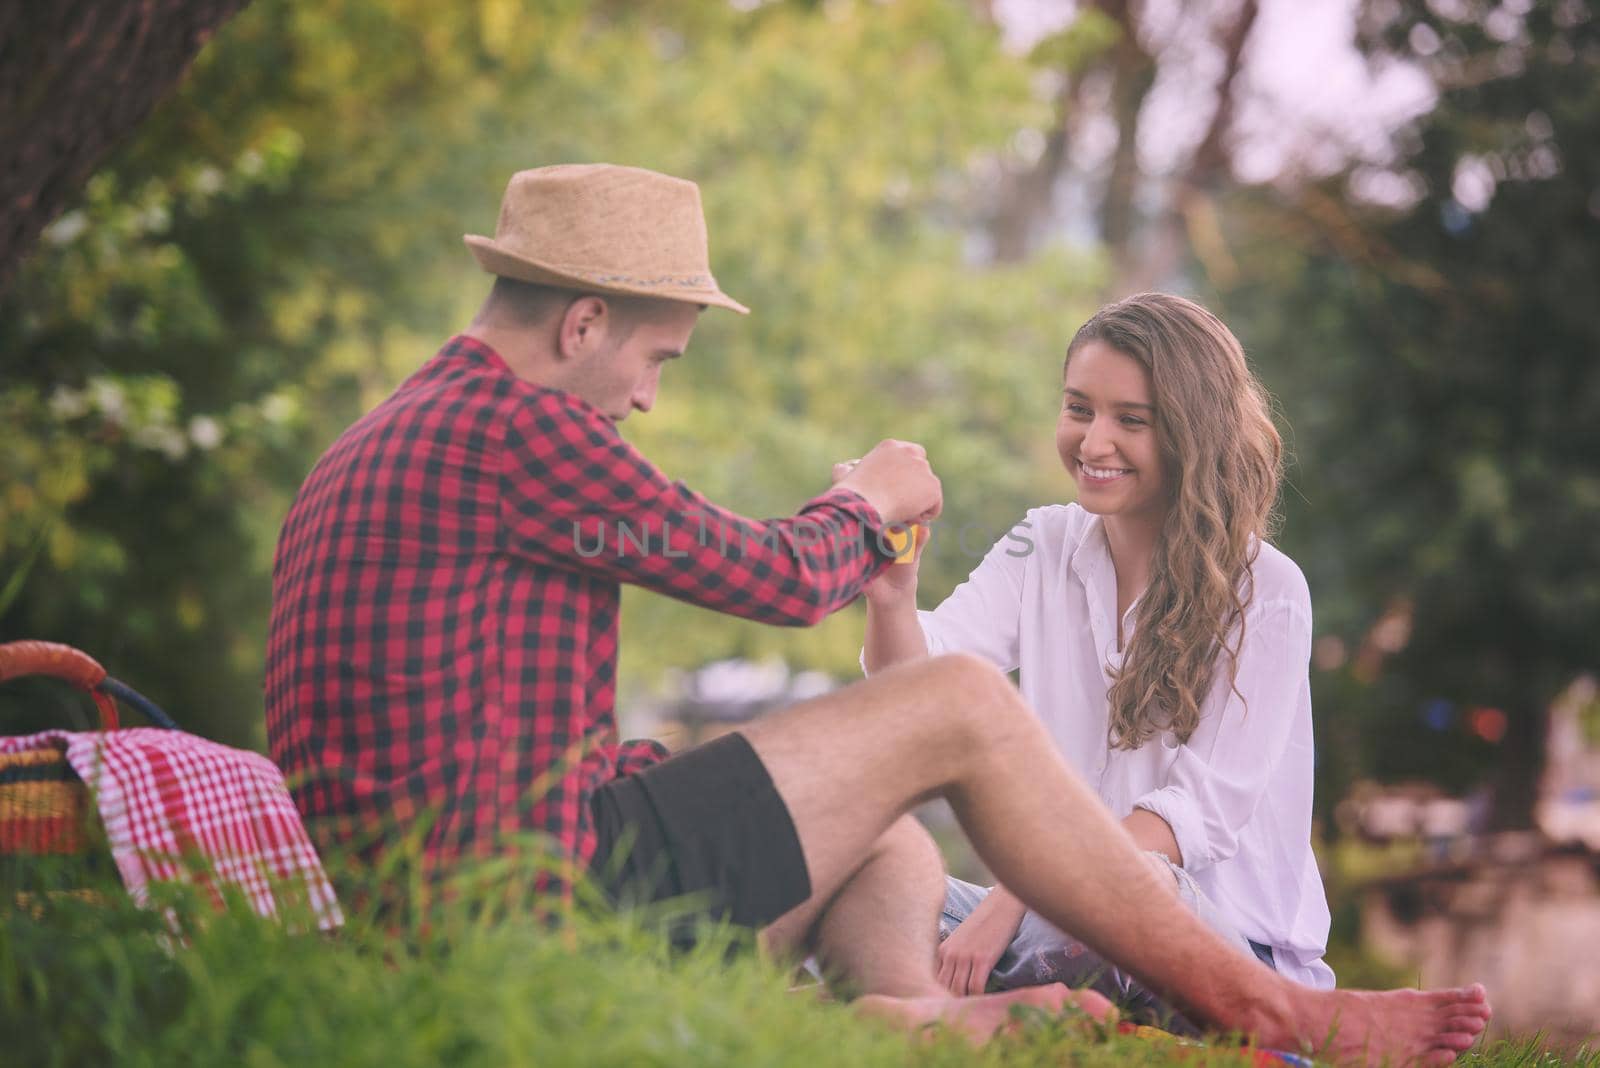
x=1217, y=780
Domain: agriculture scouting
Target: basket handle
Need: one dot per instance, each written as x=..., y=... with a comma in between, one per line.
x=76, y=668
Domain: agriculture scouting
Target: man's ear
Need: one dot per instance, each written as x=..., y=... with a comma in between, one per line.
x=582, y=327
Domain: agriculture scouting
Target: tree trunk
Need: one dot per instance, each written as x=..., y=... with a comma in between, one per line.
x=1134, y=74
x=76, y=77
x=1520, y=770
x=1029, y=197
x=1189, y=222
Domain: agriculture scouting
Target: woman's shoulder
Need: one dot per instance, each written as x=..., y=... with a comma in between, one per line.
x=1055, y=531
x=1278, y=579
x=1039, y=541
x=1059, y=522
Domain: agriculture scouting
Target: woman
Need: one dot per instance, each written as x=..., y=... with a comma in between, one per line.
x=1162, y=641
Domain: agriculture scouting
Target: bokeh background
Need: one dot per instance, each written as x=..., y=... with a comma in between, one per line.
x=1395, y=205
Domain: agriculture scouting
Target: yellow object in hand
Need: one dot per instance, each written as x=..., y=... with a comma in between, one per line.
x=903, y=540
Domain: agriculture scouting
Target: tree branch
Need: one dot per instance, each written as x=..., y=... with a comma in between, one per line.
x=76, y=77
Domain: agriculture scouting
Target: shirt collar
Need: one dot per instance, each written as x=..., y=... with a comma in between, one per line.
x=464, y=349
x=1091, y=557
x=471, y=350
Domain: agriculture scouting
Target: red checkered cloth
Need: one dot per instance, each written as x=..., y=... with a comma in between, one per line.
x=180, y=808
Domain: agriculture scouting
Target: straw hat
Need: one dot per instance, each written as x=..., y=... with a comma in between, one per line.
x=603, y=228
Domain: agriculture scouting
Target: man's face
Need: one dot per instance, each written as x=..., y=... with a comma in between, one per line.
x=622, y=369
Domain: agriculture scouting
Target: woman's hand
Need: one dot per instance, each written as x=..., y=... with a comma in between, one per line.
x=968, y=956
x=897, y=583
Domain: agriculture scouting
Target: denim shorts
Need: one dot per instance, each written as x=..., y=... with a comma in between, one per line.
x=1042, y=953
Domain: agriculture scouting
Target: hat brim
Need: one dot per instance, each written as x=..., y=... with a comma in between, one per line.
x=505, y=263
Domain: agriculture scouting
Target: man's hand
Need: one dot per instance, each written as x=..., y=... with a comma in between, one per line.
x=896, y=480
x=897, y=584
x=968, y=956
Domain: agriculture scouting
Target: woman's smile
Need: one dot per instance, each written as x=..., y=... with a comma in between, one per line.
x=1097, y=475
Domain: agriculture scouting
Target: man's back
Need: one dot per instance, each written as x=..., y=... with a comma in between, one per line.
x=443, y=644
x=416, y=664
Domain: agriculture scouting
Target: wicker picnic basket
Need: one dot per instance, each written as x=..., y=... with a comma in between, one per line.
x=45, y=808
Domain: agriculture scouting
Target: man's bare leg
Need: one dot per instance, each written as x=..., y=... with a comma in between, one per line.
x=850, y=764
x=879, y=931
x=880, y=928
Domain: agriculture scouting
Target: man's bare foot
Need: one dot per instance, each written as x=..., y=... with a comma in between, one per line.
x=1393, y=1027
x=980, y=1017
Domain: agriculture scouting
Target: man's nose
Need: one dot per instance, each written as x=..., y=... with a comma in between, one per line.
x=644, y=398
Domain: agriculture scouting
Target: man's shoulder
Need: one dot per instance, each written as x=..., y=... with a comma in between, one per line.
x=444, y=403
x=468, y=385
x=450, y=394
x=545, y=410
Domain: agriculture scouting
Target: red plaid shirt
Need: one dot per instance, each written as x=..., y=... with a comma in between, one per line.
x=445, y=600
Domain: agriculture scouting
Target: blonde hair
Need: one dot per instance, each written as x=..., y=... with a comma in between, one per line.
x=1224, y=461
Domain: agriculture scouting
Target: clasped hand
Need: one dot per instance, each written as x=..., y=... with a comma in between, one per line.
x=966, y=958
x=896, y=479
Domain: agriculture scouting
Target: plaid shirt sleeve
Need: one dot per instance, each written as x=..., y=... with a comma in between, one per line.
x=636, y=754
x=577, y=496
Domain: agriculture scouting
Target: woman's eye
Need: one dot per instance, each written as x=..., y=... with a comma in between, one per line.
x=1077, y=409
x=1132, y=420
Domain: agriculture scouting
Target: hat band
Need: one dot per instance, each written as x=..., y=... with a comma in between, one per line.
x=664, y=281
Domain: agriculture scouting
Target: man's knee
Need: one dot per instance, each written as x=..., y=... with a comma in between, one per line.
x=964, y=678
x=971, y=695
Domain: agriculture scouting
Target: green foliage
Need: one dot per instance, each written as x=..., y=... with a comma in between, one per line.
x=280, y=245
x=137, y=444
x=94, y=980
x=1440, y=359
x=87, y=978
x=1084, y=40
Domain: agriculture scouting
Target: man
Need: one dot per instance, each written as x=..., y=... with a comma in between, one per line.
x=444, y=641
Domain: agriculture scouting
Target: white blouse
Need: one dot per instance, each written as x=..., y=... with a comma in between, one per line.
x=1238, y=795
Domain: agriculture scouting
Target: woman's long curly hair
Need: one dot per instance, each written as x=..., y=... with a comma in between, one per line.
x=1223, y=460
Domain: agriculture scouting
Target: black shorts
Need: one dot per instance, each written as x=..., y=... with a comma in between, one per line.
x=708, y=823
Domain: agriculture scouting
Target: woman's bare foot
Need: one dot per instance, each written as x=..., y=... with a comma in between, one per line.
x=980, y=1017
x=1370, y=1027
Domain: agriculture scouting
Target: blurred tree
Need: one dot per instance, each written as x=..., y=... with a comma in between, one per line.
x=75, y=78
x=1103, y=66
x=1443, y=357
x=280, y=245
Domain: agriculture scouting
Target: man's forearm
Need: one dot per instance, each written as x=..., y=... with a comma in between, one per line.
x=893, y=634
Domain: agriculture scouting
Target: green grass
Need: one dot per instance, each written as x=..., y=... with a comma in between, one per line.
x=479, y=984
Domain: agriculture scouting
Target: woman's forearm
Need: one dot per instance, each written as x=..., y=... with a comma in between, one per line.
x=893, y=634
x=1006, y=904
